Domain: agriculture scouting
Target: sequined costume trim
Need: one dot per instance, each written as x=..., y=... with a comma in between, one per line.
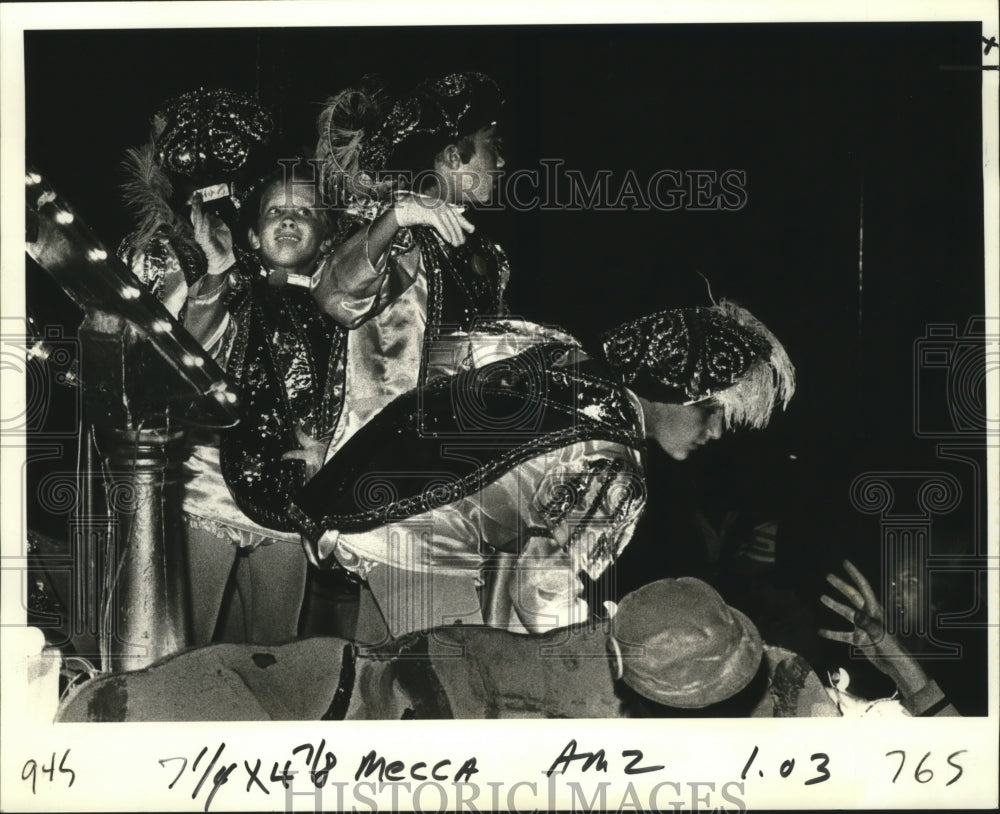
x=577, y=406
x=474, y=274
x=278, y=331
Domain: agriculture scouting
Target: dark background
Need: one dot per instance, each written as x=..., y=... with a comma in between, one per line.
x=819, y=117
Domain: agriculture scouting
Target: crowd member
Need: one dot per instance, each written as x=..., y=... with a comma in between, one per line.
x=675, y=649
x=482, y=497
x=921, y=696
x=282, y=354
x=411, y=266
x=681, y=651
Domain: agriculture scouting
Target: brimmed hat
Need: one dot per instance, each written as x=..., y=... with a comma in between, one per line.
x=686, y=355
x=683, y=646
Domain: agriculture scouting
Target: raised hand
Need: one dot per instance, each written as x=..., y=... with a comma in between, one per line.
x=412, y=209
x=865, y=612
x=214, y=237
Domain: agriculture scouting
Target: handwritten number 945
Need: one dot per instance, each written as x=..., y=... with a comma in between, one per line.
x=921, y=774
x=31, y=769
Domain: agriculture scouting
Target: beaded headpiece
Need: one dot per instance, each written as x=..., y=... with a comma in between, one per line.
x=686, y=355
x=205, y=134
x=361, y=135
x=436, y=113
x=199, y=138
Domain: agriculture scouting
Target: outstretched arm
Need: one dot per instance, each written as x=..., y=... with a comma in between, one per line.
x=921, y=696
x=587, y=499
x=411, y=209
x=354, y=282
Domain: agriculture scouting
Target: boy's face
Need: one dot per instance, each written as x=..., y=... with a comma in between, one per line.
x=291, y=231
x=473, y=180
x=681, y=428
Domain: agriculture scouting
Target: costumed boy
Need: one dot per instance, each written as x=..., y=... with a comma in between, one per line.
x=481, y=497
x=403, y=173
x=282, y=354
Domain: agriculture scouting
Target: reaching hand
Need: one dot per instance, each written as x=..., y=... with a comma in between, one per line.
x=313, y=452
x=214, y=237
x=422, y=210
x=869, y=634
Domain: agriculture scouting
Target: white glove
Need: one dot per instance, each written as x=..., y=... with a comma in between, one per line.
x=423, y=210
x=214, y=237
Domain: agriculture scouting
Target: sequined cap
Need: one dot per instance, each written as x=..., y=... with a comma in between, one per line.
x=206, y=133
x=366, y=142
x=202, y=137
x=685, y=355
x=438, y=111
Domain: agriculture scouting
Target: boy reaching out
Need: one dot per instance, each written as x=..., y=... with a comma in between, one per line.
x=412, y=269
x=284, y=355
x=281, y=352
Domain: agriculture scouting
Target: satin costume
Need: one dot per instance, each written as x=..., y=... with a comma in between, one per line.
x=419, y=290
x=285, y=359
x=481, y=497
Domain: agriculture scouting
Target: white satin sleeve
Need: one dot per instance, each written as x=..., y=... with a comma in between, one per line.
x=351, y=290
x=207, y=318
x=534, y=529
x=583, y=510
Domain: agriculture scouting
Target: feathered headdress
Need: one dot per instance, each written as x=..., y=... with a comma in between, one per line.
x=686, y=355
x=199, y=138
x=147, y=191
x=346, y=120
x=363, y=135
